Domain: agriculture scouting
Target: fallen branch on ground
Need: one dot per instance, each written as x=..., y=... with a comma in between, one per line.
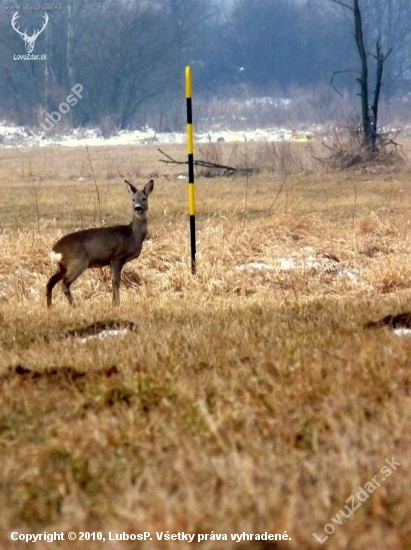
x=228, y=170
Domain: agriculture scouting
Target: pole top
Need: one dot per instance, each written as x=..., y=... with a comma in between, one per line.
x=188, y=82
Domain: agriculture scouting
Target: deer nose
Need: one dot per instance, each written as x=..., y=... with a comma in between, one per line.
x=138, y=208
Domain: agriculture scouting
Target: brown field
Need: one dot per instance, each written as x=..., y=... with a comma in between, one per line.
x=248, y=398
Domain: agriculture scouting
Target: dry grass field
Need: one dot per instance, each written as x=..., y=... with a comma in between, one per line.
x=249, y=398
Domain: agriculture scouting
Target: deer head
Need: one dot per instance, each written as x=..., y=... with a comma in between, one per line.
x=29, y=40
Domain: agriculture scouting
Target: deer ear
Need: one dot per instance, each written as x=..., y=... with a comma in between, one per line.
x=149, y=187
x=131, y=189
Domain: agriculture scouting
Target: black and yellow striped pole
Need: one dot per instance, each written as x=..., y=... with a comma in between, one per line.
x=190, y=150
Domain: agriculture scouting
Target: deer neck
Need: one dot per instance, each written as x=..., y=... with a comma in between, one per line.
x=139, y=225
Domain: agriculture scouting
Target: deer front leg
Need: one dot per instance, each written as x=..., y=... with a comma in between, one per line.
x=116, y=267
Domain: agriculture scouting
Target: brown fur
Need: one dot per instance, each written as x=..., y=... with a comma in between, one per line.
x=102, y=246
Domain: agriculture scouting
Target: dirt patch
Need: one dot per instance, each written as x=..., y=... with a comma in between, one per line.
x=68, y=374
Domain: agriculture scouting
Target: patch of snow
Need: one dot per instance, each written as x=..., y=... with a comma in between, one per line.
x=11, y=130
x=104, y=334
x=260, y=266
x=352, y=275
x=308, y=263
x=270, y=101
x=311, y=263
x=17, y=136
x=286, y=264
x=402, y=331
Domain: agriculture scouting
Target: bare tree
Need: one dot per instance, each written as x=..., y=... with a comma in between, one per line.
x=388, y=20
x=369, y=111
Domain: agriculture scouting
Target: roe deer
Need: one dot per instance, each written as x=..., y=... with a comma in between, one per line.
x=101, y=246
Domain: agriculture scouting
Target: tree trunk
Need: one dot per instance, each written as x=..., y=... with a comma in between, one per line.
x=378, y=83
x=369, y=129
x=46, y=69
x=70, y=68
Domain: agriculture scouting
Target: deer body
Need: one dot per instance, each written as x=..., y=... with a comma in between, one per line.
x=99, y=247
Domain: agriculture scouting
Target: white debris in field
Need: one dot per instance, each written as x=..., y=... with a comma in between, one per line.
x=309, y=263
x=104, y=334
x=312, y=263
x=352, y=275
x=305, y=264
x=402, y=331
x=286, y=264
x=260, y=266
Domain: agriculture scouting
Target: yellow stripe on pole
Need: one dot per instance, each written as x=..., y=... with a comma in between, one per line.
x=191, y=199
x=188, y=82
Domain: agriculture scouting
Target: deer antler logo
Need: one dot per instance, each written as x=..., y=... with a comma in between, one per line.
x=29, y=40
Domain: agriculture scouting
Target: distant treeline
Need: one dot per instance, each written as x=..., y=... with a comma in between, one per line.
x=129, y=55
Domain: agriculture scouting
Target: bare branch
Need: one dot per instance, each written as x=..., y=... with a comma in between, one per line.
x=342, y=4
x=229, y=170
x=340, y=72
x=388, y=54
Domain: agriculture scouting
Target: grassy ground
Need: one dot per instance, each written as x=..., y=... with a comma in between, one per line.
x=248, y=398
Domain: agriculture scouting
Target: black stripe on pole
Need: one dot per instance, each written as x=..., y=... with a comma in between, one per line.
x=190, y=168
x=193, y=243
x=189, y=110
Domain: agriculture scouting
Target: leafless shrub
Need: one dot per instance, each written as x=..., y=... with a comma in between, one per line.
x=227, y=158
x=288, y=157
x=211, y=152
x=281, y=157
x=347, y=149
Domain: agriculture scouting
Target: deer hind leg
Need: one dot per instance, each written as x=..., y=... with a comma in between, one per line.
x=116, y=268
x=54, y=279
x=74, y=271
